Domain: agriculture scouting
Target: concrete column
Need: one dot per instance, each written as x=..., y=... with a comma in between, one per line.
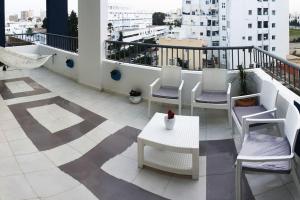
x=92, y=27
x=57, y=16
x=2, y=23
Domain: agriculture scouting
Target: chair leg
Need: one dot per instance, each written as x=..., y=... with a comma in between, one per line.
x=149, y=108
x=192, y=110
x=179, y=108
x=238, y=176
x=229, y=119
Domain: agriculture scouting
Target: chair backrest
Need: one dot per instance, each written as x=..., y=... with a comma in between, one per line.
x=292, y=125
x=269, y=94
x=171, y=76
x=214, y=79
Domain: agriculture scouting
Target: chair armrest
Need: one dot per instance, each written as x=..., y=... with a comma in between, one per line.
x=154, y=85
x=229, y=89
x=264, y=158
x=246, y=96
x=264, y=121
x=258, y=114
x=194, y=90
x=180, y=88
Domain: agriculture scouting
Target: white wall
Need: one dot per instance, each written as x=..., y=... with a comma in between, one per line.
x=140, y=77
x=57, y=63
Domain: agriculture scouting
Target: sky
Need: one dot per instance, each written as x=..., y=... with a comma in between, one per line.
x=15, y=6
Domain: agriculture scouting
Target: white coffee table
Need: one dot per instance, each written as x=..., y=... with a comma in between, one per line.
x=175, y=151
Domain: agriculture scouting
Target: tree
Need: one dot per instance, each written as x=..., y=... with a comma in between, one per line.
x=44, y=26
x=158, y=19
x=120, y=39
x=178, y=22
x=110, y=29
x=73, y=24
x=29, y=31
x=294, y=23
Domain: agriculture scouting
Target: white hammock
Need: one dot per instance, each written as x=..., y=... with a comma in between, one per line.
x=22, y=60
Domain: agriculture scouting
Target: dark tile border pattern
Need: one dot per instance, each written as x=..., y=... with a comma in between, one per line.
x=7, y=94
x=42, y=137
x=220, y=180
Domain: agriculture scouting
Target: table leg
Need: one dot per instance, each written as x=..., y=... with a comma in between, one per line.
x=140, y=153
x=195, y=164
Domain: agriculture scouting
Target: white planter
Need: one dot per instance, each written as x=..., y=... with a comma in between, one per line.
x=169, y=123
x=135, y=100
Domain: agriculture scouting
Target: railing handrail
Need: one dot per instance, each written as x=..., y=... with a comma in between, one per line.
x=179, y=47
x=40, y=33
x=284, y=61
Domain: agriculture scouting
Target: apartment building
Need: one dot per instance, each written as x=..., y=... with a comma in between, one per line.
x=238, y=23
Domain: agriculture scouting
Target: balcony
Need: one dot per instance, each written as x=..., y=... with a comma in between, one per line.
x=107, y=124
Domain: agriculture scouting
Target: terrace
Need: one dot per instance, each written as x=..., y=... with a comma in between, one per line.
x=71, y=133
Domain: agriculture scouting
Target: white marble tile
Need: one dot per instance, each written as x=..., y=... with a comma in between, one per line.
x=62, y=154
x=5, y=150
x=24, y=146
x=122, y=168
x=98, y=134
x=9, y=167
x=111, y=126
x=78, y=193
x=18, y=86
x=54, y=117
x=51, y=182
x=152, y=181
x=34, y=162
x=293, y=190
x=14, y=134
x=186, y=188
x=83, y=144
x=9, y=124
x=15, y=188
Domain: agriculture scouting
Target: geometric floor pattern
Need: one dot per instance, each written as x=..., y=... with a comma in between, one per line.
x=92, y=154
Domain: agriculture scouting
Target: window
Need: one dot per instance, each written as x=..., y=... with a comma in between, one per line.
x=259, y=11
x=273, y=25
x=188, y=2
x=215, y=43
x=201, y=33
x=273, y=37
x=201, y=23
x=259, y=24
x=249, y=38
x=266, y=48
x=250, y=25
x=273, y=48
x=243, y=37
x=266, y=24
x=266, y=11
x=249, y=12
x=223, y=5
x=208, y=22
x=266, y=36
x=223, y=17
x=224, y=38
x=224, y=28
x=207, y=33
x=259, y=37
x=273, y=12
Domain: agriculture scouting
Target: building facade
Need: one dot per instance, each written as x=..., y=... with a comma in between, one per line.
x=262, y=23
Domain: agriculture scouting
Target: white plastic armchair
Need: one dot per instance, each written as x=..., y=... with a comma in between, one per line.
x=167, y=88
x=263, y=152
x=213, y=91
x=265, y=109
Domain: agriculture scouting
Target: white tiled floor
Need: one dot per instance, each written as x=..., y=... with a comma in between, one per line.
x=54, y=117
x=36, y=176
x=18, y=86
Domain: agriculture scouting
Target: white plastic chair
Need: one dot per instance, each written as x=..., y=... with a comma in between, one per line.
x=265, y=110
x=262, y=152
x=212, y=91
x=167, y=88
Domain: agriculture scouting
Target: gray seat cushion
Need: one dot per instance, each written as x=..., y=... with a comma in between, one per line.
x=256, y=144
x=167, y=92
x=243, y=111
x=212, y=97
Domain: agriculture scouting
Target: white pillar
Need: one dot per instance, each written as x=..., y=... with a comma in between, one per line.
x=92, y=28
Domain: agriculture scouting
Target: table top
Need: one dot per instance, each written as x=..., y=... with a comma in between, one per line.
x=184, y=135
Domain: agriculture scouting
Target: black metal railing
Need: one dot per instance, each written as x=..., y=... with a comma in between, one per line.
x=189, y=58
x=286, y=72
x=66, y=43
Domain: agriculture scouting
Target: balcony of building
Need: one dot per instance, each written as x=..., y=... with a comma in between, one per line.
x=71, y=132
